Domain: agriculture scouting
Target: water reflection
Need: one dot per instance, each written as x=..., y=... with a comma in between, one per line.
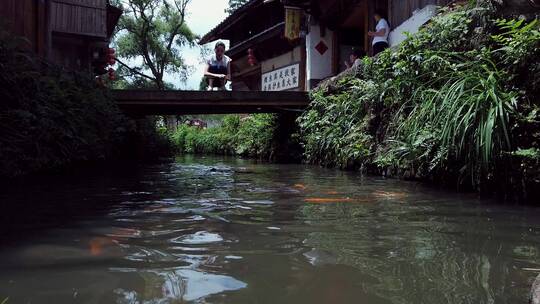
x=425, y=253
x=209, y=230
x=178, y=286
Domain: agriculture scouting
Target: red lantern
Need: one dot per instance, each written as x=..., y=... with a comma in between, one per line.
x=111, y=74
x=251, y=57
x=111, y=58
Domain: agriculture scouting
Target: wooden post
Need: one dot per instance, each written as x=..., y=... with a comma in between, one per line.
x=48, y=31
x=371, y=24
x=303, y=65
x=390, y=13
x=41, y=27
x=285, y=150
x=366, y=27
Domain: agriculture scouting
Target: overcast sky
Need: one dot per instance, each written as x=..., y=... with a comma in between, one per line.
x=203, y=15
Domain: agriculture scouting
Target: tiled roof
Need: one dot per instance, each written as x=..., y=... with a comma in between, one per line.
x=229, y=21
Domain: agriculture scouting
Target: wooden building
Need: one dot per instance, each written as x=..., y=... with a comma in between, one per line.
x=258, y=26
x=329, y=30
x=72, y=33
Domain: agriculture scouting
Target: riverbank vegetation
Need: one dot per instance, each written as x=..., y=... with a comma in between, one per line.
x=456, y=103
x=57, y=119
x=51, y=118
x=248, y=136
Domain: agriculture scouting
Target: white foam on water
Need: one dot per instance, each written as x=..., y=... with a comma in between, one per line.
x=197, y=238
x=261, y=202
x=233, y=257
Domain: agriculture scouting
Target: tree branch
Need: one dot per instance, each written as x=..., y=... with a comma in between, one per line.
x=182, y=11
x=134, y=71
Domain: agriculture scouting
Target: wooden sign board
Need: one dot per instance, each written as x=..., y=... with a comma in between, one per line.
x=282, y=79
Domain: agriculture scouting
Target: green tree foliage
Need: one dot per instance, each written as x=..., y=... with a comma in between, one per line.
x=153, y=32
x=250, y=136
x=235, y=4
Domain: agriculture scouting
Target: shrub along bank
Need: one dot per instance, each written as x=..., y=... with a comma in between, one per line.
x=457, y=103
x=250, y=136
x=51, y=118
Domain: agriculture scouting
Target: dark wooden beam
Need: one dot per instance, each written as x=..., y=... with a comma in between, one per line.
x=143, y=102
x=273, y=31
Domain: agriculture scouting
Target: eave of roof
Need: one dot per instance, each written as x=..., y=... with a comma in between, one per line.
x=229, y=21
x=262, y=36
x=113, y=16
x=305, y=4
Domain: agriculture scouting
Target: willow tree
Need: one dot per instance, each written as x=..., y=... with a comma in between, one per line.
x=235, y=4
x=149, y=39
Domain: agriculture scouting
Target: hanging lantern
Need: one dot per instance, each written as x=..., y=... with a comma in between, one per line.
x=111, y=74
x=111, y=57
x=251, y=57
x=111, y=61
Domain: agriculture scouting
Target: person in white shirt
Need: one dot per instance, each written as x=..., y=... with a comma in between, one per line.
x=380, y=36
x=218, y=68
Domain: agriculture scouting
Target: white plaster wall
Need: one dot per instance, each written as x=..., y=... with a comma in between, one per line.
x=281, y=61
x=412, y=25
x=318, y=66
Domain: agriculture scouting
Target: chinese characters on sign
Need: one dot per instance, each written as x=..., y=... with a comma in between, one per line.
x=281, y=79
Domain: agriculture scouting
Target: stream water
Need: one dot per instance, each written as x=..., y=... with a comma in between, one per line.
x=217, y=230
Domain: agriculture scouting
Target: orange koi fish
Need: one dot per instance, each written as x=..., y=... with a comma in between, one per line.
x=97, y=245
x=300, y=186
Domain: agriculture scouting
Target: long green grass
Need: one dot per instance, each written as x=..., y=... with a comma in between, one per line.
x=457, y=103
x=467, y=120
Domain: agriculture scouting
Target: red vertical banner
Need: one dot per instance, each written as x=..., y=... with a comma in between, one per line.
x=292, y=22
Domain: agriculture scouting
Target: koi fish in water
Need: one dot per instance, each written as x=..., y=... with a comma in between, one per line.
x=98, y=244
x=300, y=186
x=331, y=192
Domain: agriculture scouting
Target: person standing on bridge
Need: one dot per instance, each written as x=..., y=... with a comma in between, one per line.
x=218, y=68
